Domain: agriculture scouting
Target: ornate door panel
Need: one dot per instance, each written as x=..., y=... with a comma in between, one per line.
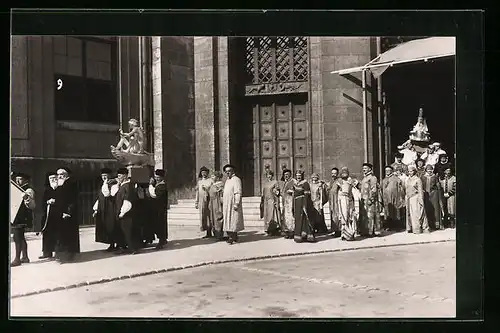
x=281, y=137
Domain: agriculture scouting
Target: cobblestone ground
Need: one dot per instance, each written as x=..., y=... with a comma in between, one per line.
x=403, y=281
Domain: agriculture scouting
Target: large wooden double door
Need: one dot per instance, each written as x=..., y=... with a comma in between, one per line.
x=281, y=136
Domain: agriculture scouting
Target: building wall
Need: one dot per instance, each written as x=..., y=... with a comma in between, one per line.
x=337, y=113
x=178, y=111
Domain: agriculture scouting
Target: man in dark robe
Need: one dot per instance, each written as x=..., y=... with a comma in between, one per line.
x=393, y=199
x=23, y=220
x=104, y=212
x=159, y=201
x=66, y=202
x=124, y=211
x=443, y=164
x=50, y=218
x=143, y=214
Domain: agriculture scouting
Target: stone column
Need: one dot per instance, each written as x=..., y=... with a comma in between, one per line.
x=224, y=103
x=157, y=103
x=340, y=99
x=204, y=102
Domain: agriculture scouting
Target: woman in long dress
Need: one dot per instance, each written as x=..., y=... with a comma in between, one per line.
x=448, y=187
x=302, y=208
x=356, y=196
x=416, y=220
x=202, y=200
x=319, y=198
x=215, y=205
x=432, y=197
x=346, y=206
x=286, y=193
x=269, y=205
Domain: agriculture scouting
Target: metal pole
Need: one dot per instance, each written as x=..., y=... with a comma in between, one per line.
x=379, y=114
x=120, y=93
x=141, y=89
x=365, y=116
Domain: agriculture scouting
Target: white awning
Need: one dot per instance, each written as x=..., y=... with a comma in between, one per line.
x=415, y=50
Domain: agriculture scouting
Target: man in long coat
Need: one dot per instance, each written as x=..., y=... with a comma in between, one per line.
x=232, y=207
x=158, y=193
x=393, y=199
x=23, y=220
x=369, y=214
x=66, y=203
x=333, y=202
x=124, y=210
x=104, y=211
x=50, y=218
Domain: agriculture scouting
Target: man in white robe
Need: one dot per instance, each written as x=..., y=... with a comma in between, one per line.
x=232, y=209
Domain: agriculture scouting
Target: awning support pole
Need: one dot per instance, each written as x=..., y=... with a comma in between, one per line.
x=120, y=93
x=365, y=117
x=379, y=115
x=141, y=88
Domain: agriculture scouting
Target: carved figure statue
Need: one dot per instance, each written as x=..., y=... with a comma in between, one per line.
x=130, y=148
x=420, y=131
x=133, y=141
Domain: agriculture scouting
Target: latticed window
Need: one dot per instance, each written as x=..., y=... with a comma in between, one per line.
x=276, y=59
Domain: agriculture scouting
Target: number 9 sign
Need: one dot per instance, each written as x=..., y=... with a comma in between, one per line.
x=59, y=84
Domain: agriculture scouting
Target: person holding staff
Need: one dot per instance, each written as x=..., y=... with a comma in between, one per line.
x=23, y=220
x=50, y=218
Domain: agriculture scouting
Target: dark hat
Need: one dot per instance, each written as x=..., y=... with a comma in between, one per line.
x=68, y=170
x=22, y=174
x=368, y=165
x=204, y=168
x=228, y=166
x=50, y=173
x=122, y=171
x=106, y=171
x=389, y=166
x=398, y=155
x=335, y=168
x=285, y=170
x=160, y=172
x=443, y=155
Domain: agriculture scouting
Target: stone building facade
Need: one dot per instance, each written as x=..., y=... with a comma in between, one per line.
x=258, y=103
x=269, y=103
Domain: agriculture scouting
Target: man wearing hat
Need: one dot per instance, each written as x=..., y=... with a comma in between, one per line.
x=104, y=211
x=393, y=199
x=202, y=200
x=369, y=206
x=158, y=194
x=443, y=164
x=124, y=210
x=50, y=217
x=398, y=164
x=231, y=207
x=431, y=156
x=66, y=203
x=23, y=220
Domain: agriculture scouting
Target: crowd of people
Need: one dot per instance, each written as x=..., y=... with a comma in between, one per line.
x=127, y=216
x=417, y=194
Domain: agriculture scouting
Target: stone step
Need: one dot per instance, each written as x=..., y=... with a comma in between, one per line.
x=244, y=199
x=191, y=210
x=190, y=222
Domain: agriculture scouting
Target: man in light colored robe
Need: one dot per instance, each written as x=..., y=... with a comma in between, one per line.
x=333, y=202
x=369, y=214
x=232, y=205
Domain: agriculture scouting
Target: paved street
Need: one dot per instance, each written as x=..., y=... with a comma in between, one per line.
x=401, y=281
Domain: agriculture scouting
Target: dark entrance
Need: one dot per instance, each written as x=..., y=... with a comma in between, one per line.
x=271, y=124
x=428, y=85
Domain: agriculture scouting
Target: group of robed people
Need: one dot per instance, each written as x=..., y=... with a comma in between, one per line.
x=59, y=223
x=129, y=215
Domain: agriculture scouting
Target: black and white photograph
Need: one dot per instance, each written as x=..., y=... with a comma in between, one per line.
x=233, y=176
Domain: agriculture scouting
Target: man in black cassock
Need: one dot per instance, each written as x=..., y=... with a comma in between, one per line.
x=124, y=211
x=66, y=202
x=23, y=220
x=50, y=218
x=159, y=200
x=104, y=212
